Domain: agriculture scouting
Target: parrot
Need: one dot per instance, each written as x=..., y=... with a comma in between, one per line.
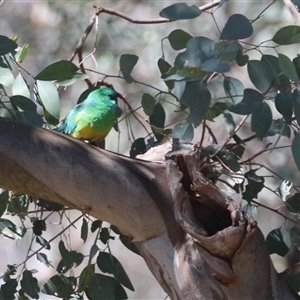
x=93, y=118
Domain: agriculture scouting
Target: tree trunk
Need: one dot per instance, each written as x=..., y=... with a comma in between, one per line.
x=195, y=240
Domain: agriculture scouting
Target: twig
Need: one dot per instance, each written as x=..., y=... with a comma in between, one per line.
x=99, y=10
x=237, y=128
x=257, y=154
x=273, y=210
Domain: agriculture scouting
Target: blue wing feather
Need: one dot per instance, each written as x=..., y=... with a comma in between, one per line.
x=69, y=124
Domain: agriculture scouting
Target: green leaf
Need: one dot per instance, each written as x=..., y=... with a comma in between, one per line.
x=107, y=263
x=23, y=103
x=215, y=65
x=148, y=104
x=254, y=186
x=157, y=119
x=84, y=230
x=126, y=241
x=164, y=67
x=187, y=74
x=127, y=63
x=279, y=127
x=60, y=286
x=9, y=288
x=95, y=225
x=50, y=206
x=105, y=236
x=198, y=50
x=3, y=202
x=178, y=39
x=296, y=105
x=20, y=87
x=237, y=27
x=296, y=150
x=227, y=51
x=61, y=70
x=22, y=53
x=261, y=120
x=180, y=11
x=184, y=131
x=281, y=82
x=6, y=77
x=104, y=287
x=42, y=257
x=30, y=117
x=29, y=284
x=229, y=123
x=197, y=98
x=287, y=67
x=43, y=242
x=18, y=206
x=69, y=259
x=260, y=74
x=287, y=35
x=296, y=63
x=7, y=45
x=284, y=105
x=67, y=82
x=241, y=59
x=138, y=147
x=279, y=241
x=39, y=226
x=49, y=97
x=85, y=277
x=293, y=203
x=234, y=89
x=10, y=230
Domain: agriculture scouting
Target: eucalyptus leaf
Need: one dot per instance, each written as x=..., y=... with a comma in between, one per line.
x=61, y=70
x=261, y=120
x=284, y=105
x=197, y=98
x=198, y=50
x=279, y=241
x=127, y=63
x=288, y=67
x=7, y=45
x=184, y=131
x=287, y=35
x=180, y=11
x=178, y=39
x=20, y=87
x=49, y=97
x=296, y=150
x=237, y=27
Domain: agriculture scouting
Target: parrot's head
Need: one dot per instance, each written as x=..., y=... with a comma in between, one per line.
x=107, y=92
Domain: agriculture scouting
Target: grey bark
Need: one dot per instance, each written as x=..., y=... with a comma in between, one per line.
x=195, y=240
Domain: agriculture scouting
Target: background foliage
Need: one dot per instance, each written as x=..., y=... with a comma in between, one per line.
x=221, y=78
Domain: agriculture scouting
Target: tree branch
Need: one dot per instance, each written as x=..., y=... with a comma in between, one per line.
x=110, y=187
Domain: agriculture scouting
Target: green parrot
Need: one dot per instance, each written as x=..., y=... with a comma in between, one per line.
x=93, y=118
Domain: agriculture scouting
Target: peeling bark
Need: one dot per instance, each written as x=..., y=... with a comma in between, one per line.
x=195, y=240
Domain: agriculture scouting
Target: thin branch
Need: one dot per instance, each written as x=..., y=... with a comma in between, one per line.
x=99, y=10
x=257, y=154
x=273, y=210
x=150, y=21
x=237, y=128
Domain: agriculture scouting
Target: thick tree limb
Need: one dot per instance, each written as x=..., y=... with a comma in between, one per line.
x=195, y=240
x=110, y=187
